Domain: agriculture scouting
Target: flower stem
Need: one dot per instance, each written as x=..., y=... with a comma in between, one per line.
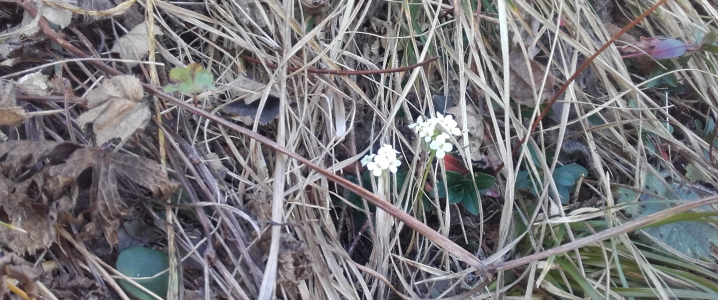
x=423, y=183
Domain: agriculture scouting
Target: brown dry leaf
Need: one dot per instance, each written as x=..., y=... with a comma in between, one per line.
x=245, y=111
x=117, y=109
x=41, y=181
x=474, y=127
x=57, y=16
x=522, y=87
x=17, y=268
x=34, y=84
x=135, y=44
x=10, y=113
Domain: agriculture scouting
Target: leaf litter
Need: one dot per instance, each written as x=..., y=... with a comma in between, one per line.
x=43, y=182
x=117, y=110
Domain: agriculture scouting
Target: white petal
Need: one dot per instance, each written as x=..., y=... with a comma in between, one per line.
x=397, y=163
x=447, y=147
x=392, y=169
x=440, y=153
x=434, y=145
x=377, y=172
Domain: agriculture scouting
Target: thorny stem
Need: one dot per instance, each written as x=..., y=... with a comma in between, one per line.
x=573, y=77
x=344, y=72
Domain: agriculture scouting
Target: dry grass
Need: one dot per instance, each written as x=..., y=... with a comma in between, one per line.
x=321, y=113
x=334, y=120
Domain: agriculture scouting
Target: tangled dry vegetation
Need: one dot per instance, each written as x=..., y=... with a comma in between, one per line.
x=97, y=159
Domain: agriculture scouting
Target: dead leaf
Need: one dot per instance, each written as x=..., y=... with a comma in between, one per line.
x=474, y=127
x=10, y=113
x=250, y=91
x=522, y=87
x=135, y=44
x=17, y=268
x=117, y=109
x=57, y=16
x=41, y=181
x=34, y=84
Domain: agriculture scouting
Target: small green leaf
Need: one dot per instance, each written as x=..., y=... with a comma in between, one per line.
x=138, y=262
x=457, y=193
x=563, y=178
x=453, y=178
x=693, y=174
x=710, y=48
x=471, y=203
x=574, y=169
x=708, y=38
x=190, y=80
x=564, y=193
x=522, y=180
x=484, y=181
x=441, y=189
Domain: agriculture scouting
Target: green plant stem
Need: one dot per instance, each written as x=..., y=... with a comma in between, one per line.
x=423, y=182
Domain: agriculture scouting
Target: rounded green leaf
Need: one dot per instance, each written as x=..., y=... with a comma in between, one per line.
x=453, y=178
x=575, y=170
x=456, y=193
x=139, y=262
x=484, y=181
x=563, y=178
x=471, y=203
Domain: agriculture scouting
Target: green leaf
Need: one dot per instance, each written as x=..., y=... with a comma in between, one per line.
x=693, y=174
x=710, y=48
x=144, y=262
x=575, y=170
x=522, y=180
x=564, y=193
x=457, y=193
x=692, y=238
x=708, y=38
x=193, y=79
x=578, y=276
x=453, y=178
x=484, y=181
x=471, y=203
x=563, y=178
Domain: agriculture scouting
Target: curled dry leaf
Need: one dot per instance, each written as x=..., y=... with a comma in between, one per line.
x=474, y=127
x=117, y=109
x=135, y=44
x=10, y=113
x=58, y=173
x=522, y=87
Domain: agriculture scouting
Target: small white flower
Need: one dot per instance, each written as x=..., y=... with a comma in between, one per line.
x=366, y=159
x=416, y=126
x=385, y=159
x=449, y=123
x=440, y=145
x=393, y=165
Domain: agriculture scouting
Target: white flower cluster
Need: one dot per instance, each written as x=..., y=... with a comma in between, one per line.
x=385, y=159
x=437, y=139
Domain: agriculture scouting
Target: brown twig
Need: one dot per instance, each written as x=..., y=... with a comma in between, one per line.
x=573, y=77
x=37, y=98
x=344, y=72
